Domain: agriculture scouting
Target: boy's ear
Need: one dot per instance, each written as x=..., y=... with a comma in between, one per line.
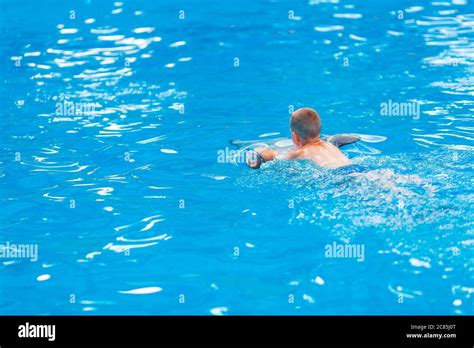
x=295, y=137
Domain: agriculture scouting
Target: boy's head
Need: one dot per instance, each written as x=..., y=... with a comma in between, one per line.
x=305, y=126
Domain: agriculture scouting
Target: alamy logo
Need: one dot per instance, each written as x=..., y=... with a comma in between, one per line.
x=37, y=331
x=235, y=156
x=19, y=251
x=65, y=107
x=393, y=108
x=345, y=251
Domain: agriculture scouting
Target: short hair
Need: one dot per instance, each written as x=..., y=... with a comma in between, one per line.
x=306, y=123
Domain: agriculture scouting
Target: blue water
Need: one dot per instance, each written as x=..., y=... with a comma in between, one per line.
x=133, y=212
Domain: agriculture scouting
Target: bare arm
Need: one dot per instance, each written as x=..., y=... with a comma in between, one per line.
x=259, y=156
x=267, y=154
x=262, y=155
x=294, y=154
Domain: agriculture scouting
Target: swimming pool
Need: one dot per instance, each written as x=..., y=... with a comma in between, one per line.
x=114, y=117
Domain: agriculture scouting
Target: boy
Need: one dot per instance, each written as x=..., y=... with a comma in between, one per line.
x=305, y=131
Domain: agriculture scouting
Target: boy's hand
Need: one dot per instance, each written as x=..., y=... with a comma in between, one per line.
x=259, y=156
x=253, y=159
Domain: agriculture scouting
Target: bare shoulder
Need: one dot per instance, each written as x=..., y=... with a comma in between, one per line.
x=295, y=154
x=327, y=144
x=333, y=148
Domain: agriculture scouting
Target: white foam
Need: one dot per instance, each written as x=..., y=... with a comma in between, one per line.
x=142, y=291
